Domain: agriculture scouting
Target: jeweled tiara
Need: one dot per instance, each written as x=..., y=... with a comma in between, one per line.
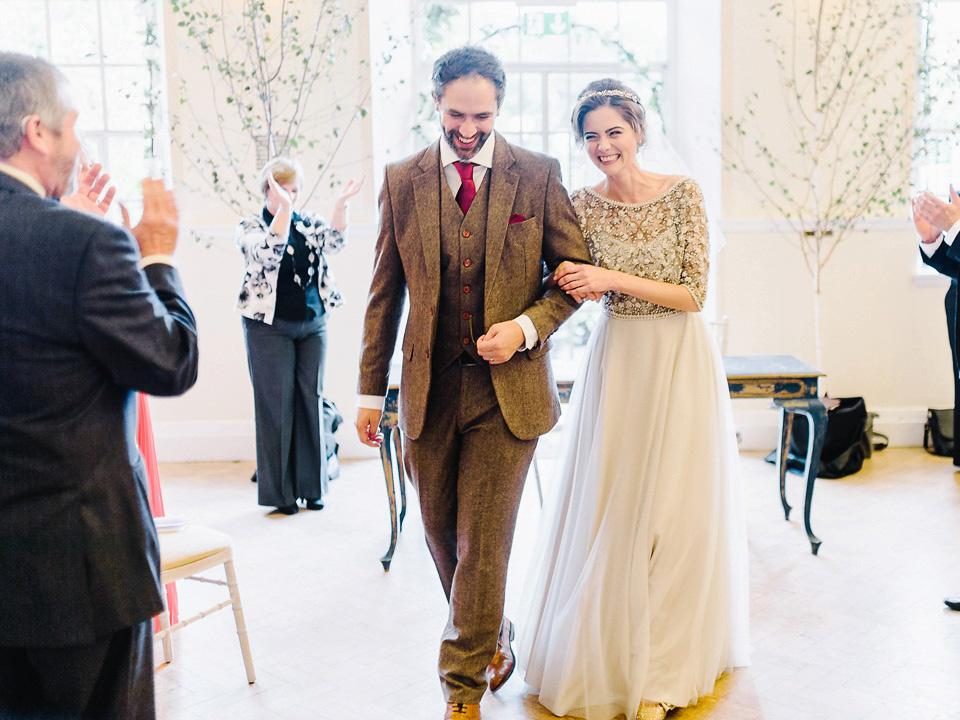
x=610, y=93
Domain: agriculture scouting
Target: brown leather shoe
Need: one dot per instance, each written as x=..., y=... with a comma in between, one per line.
x=462, y=711
x=504, y=662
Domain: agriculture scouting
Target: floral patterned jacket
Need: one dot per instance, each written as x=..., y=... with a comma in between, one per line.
x=262, y=251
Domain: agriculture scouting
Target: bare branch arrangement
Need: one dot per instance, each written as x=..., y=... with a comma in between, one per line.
x=268, y=63
x=848, y=77
x=848, y=96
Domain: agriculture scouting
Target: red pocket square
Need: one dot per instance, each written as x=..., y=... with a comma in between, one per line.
x=516, y=218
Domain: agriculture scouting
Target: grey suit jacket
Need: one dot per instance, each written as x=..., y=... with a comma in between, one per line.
x=523, y=183
x=81, y=328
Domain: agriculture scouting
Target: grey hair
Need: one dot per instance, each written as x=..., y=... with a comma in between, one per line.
x=28, y=86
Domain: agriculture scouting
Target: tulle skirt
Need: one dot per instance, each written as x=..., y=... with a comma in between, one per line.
x=638, y=585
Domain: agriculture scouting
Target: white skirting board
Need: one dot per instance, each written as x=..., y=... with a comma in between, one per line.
x=199, y=441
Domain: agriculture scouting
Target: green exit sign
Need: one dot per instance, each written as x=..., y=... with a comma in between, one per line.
x=538, y=24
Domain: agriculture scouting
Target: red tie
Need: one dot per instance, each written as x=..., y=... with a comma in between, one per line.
x=467, y=191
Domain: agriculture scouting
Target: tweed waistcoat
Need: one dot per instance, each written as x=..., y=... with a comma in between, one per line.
x=462, y=251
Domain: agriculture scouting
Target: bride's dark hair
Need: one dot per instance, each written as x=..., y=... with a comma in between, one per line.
x=613, y=93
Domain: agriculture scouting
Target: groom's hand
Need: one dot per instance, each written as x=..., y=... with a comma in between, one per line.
x=500, y=342
x=368, y=427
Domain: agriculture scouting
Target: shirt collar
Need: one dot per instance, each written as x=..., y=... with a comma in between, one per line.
x=26, y=178
x=483, y=157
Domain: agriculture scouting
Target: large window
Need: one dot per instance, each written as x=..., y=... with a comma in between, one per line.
x=550, y=52
x=938, y=161
x=109, y=51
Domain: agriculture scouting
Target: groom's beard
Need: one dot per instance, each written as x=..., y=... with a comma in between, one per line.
x=465, y=154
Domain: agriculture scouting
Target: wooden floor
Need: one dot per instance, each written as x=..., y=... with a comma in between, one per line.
x=858, y=632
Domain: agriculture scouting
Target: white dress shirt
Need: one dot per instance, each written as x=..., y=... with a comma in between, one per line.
x=948, y=237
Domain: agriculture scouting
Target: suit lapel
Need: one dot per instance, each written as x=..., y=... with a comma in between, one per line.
x=426, y=194
x=503, y=191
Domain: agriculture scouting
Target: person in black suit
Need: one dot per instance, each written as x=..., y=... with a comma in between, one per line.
x=88, y=314
x=938, y=224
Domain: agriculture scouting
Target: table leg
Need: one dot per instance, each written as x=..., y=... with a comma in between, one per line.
x=816, y=415
x=387, y=461
x=783, y=453
x=401, y=474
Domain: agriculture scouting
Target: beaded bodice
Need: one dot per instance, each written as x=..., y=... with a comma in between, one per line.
x=664, y=238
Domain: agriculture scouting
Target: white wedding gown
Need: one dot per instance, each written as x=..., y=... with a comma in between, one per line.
x=638, y=585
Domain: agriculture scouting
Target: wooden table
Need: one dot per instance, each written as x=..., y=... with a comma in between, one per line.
x=791, y=384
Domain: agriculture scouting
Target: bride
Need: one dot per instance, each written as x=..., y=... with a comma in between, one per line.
x=637, y=601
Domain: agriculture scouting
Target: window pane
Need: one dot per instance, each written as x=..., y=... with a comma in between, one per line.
x=945, y=30
x=86, y=91
x=643, y=31
x=127, y=90
x=510, y=118
x=28, y=34
x=124, y=43
x=74, y=35
x=594, y=27
x=545, y=34
x=531, y=102
x=125, y=158
x=494, y=26
x=559, y=101
x=443, y=27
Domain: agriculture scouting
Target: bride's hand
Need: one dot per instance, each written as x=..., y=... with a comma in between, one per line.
x=587, y=281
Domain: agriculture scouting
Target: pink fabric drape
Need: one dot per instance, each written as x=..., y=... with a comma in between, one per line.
x=149, y=453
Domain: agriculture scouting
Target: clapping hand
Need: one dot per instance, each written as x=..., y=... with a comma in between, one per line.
x=90, y=184
x=283, y=197
x=940, y=215
x=157, y=231
x=350, y=189
x=585, y=282
x=339, y=219
x=927, y=232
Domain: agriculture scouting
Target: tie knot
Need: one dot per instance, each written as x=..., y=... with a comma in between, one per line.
x=465, y=169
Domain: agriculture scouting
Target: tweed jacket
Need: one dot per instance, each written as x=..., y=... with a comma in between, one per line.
x=262, y=252
x=523, y=185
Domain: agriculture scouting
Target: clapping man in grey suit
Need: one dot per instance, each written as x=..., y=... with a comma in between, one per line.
x=88, y=314
x=465, y=227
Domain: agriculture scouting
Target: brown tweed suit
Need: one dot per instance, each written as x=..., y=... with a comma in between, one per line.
x=469, y=432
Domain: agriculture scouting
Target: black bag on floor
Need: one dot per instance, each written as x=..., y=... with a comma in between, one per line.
x=938, y=432
x=849, y=440
x=332, y=419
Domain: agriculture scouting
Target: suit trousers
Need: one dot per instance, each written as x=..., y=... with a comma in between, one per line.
x=286, y=362
x=469, y=471
x=950, y=305
x=109, y=679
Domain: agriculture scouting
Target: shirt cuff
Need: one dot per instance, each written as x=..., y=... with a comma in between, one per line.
x=930, y=248
x=530, y=335
x=370, y=402
x=952, y=233
x=155, y=259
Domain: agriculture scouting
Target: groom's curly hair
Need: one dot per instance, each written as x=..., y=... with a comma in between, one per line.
x=464, y=62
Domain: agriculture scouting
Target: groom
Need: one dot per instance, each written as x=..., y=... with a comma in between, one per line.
x=465, y=227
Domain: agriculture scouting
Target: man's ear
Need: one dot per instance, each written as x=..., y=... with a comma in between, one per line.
x=436, y=102
x=35, y=135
